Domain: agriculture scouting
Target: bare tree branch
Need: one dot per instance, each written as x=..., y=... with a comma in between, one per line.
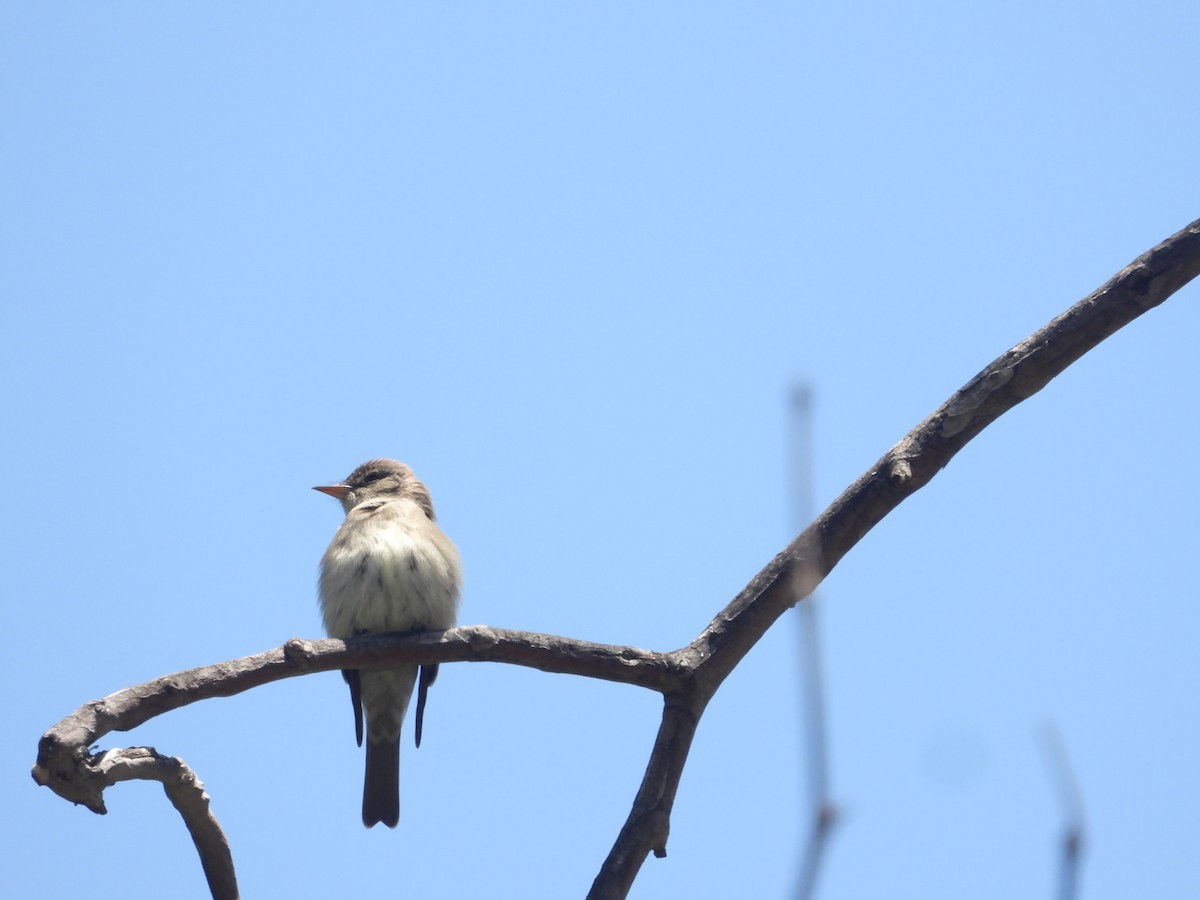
x=66, y=767
x=186, y=793
x=910, y=465
x=687, y=677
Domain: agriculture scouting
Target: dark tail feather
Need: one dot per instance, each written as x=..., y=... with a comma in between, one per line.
x=428, y=676
x=381, y=787
x=354, y=679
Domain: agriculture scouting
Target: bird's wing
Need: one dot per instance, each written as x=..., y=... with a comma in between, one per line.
x=352, y=679
x=428, y=677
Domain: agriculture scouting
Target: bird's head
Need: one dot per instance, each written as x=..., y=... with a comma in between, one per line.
x=379, y=479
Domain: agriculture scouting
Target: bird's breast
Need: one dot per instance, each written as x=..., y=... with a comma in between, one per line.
x=381, y=577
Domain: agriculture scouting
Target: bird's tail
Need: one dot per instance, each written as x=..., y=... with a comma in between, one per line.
x=381, y=787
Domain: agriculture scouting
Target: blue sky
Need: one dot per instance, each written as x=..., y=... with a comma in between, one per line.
x=567, y=260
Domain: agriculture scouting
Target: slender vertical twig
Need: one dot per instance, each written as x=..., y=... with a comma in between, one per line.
x=816, y=742
x=1071, y=799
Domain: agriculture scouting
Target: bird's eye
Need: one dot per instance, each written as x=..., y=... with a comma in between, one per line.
x=371, y=478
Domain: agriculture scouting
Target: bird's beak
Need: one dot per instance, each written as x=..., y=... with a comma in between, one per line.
x=337, y=491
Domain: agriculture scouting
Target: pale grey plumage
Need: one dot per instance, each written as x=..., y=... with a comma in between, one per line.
x=388, y=568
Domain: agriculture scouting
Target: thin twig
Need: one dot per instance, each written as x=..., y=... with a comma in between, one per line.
x=1074, y=830
x=823, y=813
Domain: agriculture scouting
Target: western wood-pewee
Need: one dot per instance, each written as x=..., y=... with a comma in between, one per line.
x=388, y=568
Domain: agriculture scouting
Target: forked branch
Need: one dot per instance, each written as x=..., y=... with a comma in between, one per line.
x=687, y=678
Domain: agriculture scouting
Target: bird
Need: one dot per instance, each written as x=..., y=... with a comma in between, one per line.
x=388, y=568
